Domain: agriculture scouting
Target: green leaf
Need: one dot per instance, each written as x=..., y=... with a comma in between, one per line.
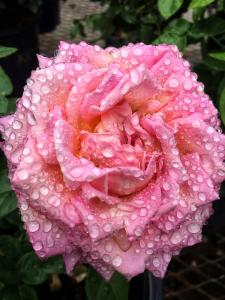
x=174, y=33
x=97, y=288
x=178, y=26
x=8, y=271
x=208, y=27
x=172, y=39
x=7, y=203
x=34, y=271
x=6, y=51
x=3, y=104
x=27, y=293
x=167, y=8
x=200, y=3
x=77, y=29
x=222, y=106
x=4, y=181
x=23, y=292
x=11, y=105
x=218, y=55
x=10, y=246
x=119, y=286
x=10, y=293
x=6, y=87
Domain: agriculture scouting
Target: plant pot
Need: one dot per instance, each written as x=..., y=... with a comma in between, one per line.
x=145, y=287
x=23, y=36
x=49, y=15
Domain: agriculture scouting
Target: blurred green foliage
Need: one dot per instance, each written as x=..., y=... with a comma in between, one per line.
x=32, y=5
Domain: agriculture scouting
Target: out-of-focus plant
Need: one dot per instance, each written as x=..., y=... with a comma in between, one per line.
x=6, y=87
x=32, y=5
x=160, y=21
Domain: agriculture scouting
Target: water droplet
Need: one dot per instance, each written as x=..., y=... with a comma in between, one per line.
x=108, y=247
x=36, y=98
x=106, y=258
x=166, y=61
x=134, y=76
x=107, y=227
x=166, y=186
x=150, y=244
x=175, y=238
x=38, y=246
x=202, y=196
x=17, y=124
x=26, y=102
x=116, y=261
x=77, y=172
x=173, y=83
x=22, y=174
x=107, y=152
x=54, y=201
x=33, y=226
x=199, y=178
x=8, y=147
x=31, y=118
x=156, y=262
x=143, y=212
x=124, y=53
x=45, y=89
x=26, y=151
x=137, y=51
x=138, y=231
x=47, y=226
x=44, y=190
x=193, y=228
x=208, y=146
x=24, y=206
x=60, y=67
x=187, y=84
x=94, y=231
x=50, y=242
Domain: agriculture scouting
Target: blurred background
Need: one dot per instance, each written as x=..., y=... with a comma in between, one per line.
x=28, y=27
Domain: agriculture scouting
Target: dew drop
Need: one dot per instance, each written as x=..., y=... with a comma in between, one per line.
x=143, y=212
x=175, y=238
x=44, y=190
x=156, y=262
x=107, y=152
x=22, y=174
x=17, y=125
x=202, y=196
x=193, y=228
x=38, y=246
x=60, y=67
x=36, y=98
x=116, y=261
x=107, y=227
x=54, y=201
x=166, y=186
x=33, y=226
x=173, y=83
x=47, y=226
x=94, y=231
x=108, y=247
x=35, y=195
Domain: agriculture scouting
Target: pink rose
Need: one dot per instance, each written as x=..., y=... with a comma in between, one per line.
x=115, y=156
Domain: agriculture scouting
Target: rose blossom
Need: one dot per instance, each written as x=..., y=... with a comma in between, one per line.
x=115, y=156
